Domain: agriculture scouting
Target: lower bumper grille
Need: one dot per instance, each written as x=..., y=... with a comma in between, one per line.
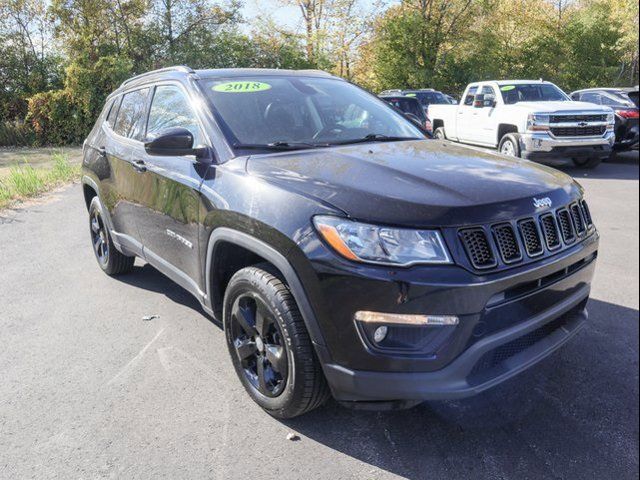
x=578, y=131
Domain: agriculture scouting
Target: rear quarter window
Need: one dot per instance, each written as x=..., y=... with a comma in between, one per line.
x=130, y=120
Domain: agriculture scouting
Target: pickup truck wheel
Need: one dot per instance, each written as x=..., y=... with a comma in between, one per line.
x=111, y=261
x=439, y=134
x=269, y=345
x=591, y=162
x=510, y=145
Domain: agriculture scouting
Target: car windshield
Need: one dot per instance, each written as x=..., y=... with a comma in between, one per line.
x=301, y=112
x=536, y=92
x=428, y=98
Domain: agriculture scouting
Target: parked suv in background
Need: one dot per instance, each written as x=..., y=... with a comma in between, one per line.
x=625, y=108
x=426, y=96
x=531, y=119
x=342, y=252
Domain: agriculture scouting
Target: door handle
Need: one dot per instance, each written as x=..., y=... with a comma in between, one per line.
x=102, y=152
x=139, y=166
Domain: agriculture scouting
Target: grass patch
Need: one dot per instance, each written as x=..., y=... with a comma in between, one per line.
x=25, y=181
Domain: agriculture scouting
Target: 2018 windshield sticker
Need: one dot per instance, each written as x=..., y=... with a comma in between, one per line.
x=241, y=87
x=508, y=88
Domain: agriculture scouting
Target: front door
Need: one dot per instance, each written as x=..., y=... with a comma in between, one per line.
x=169, y=192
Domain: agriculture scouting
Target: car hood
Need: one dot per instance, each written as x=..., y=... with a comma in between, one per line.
x=557, y=107
x=416, y=183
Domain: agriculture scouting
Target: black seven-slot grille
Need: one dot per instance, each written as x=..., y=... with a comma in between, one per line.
x=530, y=235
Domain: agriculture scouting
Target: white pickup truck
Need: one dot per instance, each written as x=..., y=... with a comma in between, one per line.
x=532, y=119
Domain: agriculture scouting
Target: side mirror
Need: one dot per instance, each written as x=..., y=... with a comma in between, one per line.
x=175, y=142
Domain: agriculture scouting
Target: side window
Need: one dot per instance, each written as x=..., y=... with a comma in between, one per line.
x=468, y=100
x=489, y=93
x=115, y=105
x=591, y=97
x=170, y=108
x=130, y=118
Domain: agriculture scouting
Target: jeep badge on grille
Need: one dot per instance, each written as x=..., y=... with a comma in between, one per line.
x=542, y=202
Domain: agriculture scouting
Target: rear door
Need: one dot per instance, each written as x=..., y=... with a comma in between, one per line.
x=124, y=151
x=171, y=205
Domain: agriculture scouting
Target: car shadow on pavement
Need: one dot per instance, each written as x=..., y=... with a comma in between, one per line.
x=147, y=277
x=574, y=415
x=623, y=166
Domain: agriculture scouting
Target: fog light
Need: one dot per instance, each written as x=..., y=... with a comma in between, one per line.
x=404, y=319
x=380, y=334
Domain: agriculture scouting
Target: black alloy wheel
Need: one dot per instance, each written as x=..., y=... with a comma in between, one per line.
x=99, y=238
x=259, y=345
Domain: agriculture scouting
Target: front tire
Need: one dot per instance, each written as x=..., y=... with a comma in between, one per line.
x=269, y=345
x=510, y=145
x=110, y=260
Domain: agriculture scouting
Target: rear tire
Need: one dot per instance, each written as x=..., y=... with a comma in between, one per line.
x=439, y=134
x=510, y=145
x=269, y=345
x=110, y=260
x=588, y=163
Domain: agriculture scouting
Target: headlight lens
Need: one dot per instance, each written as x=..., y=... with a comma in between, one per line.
x=538, y=121
x=611, y=118
x=362, y=242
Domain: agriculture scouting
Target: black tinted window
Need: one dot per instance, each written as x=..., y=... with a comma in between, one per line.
x=468, y=100
x=170, y=108
x=408, y=105
x=131, y=114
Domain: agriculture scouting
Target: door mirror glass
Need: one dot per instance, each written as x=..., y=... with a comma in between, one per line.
x=176, y=141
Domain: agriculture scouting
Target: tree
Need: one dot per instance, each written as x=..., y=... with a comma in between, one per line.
x=27, y=63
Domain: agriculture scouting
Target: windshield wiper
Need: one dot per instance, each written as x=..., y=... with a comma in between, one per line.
x=279, y=145
x=374, y=137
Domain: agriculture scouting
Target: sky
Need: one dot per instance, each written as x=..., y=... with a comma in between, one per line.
x=285, y=16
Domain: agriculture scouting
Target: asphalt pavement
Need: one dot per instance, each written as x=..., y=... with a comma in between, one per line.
x=88, y=389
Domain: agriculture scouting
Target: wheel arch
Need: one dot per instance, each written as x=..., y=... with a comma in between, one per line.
x=504, y=129
x=225, y=240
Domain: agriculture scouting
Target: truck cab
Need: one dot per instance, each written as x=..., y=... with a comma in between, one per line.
x=531, y=119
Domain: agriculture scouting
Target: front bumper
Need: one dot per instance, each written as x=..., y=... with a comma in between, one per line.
x=528, y=312
x=487, y=363
x=541, y=145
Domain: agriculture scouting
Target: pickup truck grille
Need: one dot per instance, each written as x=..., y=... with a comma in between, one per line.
x=578, y=118
x=528, y=238
x=578, y=131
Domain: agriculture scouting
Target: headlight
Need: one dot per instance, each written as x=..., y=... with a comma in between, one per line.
x=538, y=122
x=366, y=243
x=611, y=118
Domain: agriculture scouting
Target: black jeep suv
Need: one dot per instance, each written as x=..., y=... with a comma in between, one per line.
x=343, y=252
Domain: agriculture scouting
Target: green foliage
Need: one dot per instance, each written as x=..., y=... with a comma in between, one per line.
x=57, y=118
x=16, y=133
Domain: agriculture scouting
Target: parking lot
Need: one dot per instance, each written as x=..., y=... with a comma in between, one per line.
x=89, y=389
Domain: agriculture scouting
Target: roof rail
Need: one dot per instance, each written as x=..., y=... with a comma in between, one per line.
x=176, y=68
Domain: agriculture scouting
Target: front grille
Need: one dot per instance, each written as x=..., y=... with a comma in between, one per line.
x=578, y=221
x=507, y=243
x=513, y=242
x=578, y=118
x=531, y=237
x=587, y=213
x=477, y=246
x=550, y=231
x=578, y=131
x=566, y=226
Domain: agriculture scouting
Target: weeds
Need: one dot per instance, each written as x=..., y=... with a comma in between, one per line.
x=25, y=181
